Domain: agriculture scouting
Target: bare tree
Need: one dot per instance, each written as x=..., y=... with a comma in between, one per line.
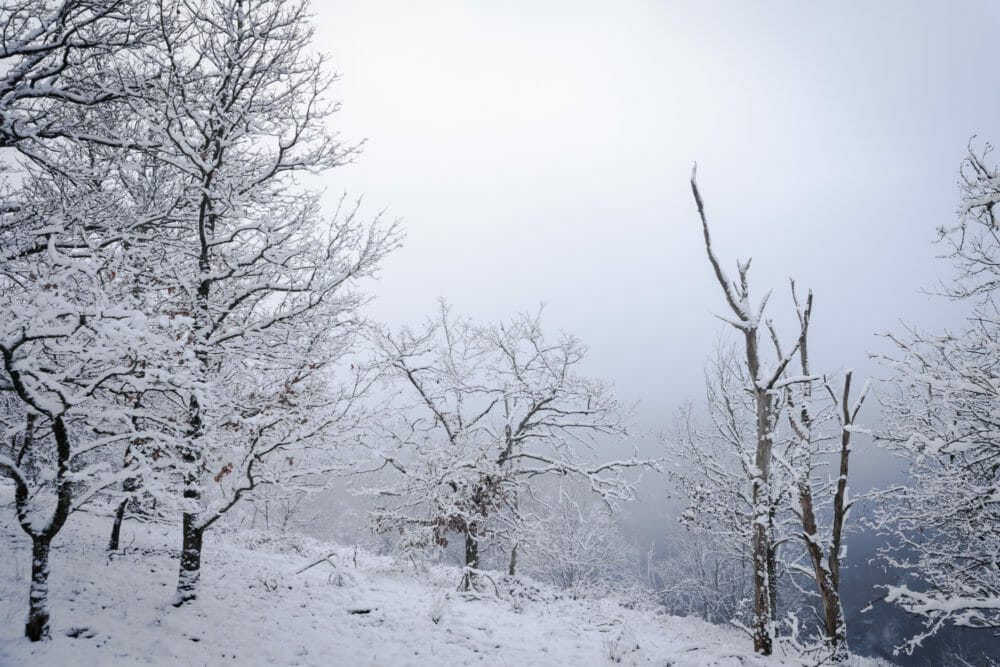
x=823, y=549
x=704, y=574
x=767, y=426
x=713, y=469
x=943, y=418
x=66, y=340
x=766, y=386
x=483, y=412
x=65, y=337
x=573, y=540
x=247, y=271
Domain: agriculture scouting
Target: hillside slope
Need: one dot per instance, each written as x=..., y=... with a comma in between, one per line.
x=354, y=608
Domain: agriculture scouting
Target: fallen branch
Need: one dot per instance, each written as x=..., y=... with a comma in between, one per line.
x=324, y=559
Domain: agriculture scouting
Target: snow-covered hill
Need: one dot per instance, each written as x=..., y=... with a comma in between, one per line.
x=258, y=607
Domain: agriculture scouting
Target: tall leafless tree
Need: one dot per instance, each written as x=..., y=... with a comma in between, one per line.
x=766, y=385
x=246, y=270
x=824, y=549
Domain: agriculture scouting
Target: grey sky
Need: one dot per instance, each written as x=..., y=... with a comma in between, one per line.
x=540, y=151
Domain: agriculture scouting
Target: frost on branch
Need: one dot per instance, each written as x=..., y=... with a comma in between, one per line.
x=943, y=416
x=68, y=335
x=754, y=476
x=478, y=416
x=253, y=284
x=762, y=386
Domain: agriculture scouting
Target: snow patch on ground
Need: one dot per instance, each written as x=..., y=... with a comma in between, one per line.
x=353, y=608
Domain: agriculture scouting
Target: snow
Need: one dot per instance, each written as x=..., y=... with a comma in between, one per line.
x=258, y=605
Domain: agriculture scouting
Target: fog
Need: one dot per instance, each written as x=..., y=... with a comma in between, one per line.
x=540, y=153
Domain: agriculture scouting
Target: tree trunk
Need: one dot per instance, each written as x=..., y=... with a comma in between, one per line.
x=129, y=487
x=191, y=530
x=737, y=295
x=772, y=573
x=840, y=505
x=513, y=560
x=116, y=527
x=471, y=560
x=190, y=568
x=37, y=627
x=835, y=625
x=833, y=613
x=763, y=623
x=471, y=551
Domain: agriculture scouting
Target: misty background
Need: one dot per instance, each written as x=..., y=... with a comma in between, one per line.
x=541, y=152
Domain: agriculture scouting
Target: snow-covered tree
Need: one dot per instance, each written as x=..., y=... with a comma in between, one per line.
x=775, y=437
x=699, y=575
x=64, y=342
x=164, y=240
x=944, y=418
x=66, y=335
x=49, y=50
x=574, y=541
x=813, y=493
x=477, y=415
x=766, y=386
x=712, y=470
x=246, y=271
x=757, y=474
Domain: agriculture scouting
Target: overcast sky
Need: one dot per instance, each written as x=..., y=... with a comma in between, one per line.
x=540, y=151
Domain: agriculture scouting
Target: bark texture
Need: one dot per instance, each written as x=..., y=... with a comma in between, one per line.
x=190, y=566
x=37, y=627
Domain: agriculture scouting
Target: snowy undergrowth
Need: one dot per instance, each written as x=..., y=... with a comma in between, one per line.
x=256, y=606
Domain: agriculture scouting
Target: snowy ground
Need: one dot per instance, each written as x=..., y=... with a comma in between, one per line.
x=354, y=609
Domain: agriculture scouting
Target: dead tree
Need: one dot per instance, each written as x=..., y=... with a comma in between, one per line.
x=824, y=551
x=765, y=385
